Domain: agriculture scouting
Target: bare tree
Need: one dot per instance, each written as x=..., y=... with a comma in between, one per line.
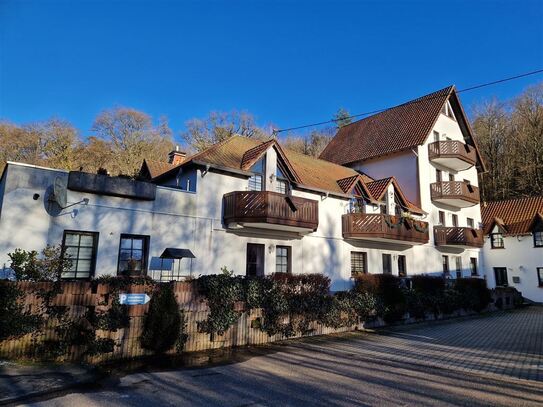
x=132, y=137
x=218, y=126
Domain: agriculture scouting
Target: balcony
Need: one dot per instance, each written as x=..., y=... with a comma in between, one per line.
x=452, y=154
x=384, y=228
x=112, y=186
x=459, y=194
x=270, y=210
x=458, y=237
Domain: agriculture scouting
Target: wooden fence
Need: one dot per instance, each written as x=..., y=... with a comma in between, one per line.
x=82, y=297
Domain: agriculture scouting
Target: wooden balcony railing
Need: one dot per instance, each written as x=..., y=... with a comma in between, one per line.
x=378, y=226
x=452, y=192
x=458, y=236
x=270, y=208
x=452, y=149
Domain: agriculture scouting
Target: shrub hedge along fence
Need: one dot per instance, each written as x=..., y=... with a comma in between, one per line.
x=75, y=321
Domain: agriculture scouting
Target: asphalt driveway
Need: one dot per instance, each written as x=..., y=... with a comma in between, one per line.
x=491, y=360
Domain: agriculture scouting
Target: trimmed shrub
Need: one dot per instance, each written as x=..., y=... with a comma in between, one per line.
x=14, y=320
x=430, y=285
x=164, y=322
x=386, y=288
x=474, y=294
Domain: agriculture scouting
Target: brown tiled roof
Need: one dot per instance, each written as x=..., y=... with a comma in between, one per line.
x=252, y=155
x=517, y=215
x=157, y=168
x=400, y=128
x=346, y=184
x=379, y=187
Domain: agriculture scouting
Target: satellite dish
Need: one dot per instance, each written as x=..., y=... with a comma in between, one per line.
x=59, y=192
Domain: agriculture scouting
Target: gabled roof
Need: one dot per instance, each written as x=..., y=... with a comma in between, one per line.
x=349, y=183
x=251, y=156
x=155, y=168
x=379, y=187
x=400, y=128
x=518, y=216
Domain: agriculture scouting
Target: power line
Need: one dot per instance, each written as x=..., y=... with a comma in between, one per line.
x=419, y=100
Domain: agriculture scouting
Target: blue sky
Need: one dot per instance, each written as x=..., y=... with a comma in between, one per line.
x=288, y=63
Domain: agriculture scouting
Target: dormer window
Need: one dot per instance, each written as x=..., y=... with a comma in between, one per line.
x=496, y=241
x=281, y=181
x=447, y=110
x=255, y=182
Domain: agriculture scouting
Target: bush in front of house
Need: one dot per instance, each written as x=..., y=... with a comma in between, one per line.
x=164, y=323
x=14, y=320
x=387, y=289
x=30, y=266
x=474, y=294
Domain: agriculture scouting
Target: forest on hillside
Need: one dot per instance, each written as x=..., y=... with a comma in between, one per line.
x=509, y=134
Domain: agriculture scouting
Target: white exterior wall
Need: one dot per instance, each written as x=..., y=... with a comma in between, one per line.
x=521, y=259
x=401, y=165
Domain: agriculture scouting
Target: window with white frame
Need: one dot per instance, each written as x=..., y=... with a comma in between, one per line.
x=496, y=241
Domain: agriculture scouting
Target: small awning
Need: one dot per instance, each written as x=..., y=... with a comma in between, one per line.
x=172, y=253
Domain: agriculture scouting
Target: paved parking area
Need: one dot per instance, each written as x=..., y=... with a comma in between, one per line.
x=492, y=360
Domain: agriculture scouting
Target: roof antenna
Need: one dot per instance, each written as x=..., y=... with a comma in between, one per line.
x=274, y=133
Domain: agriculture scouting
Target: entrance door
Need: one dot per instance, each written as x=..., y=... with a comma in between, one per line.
x=402, y=268
x=500, y=274
x=255, y=260
x=387, y=264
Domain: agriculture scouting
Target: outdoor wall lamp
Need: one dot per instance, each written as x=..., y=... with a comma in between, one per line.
x=272, y=177
x=271, y=247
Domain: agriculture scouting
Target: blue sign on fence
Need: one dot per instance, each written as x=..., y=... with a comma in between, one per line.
x=134, y=299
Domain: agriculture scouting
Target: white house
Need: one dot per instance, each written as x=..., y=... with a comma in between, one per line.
x=513, y=250
x=257, y=208
x=428, y=146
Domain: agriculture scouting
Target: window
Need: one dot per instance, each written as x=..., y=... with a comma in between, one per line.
x=540, y=276
x=470, y=222
x=445, y=260
x=255, y=182
x=455, y=220
x=496, y=241
x=458, y=267
x=358, y=263
x=357, y=205
x=500, y=274
x=538, y=238
x=387, y=264
x=442, y=218
x=255, y=260
x=81, y=248
x=282, y=259
x=133, y=252
x=402, y=266
x=473, y=266
x=281, y=182
x=451, y=177
x=439, y=176
x=447, y=110
x=436, y=135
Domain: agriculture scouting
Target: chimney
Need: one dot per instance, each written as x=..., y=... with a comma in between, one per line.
x=176, y=157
